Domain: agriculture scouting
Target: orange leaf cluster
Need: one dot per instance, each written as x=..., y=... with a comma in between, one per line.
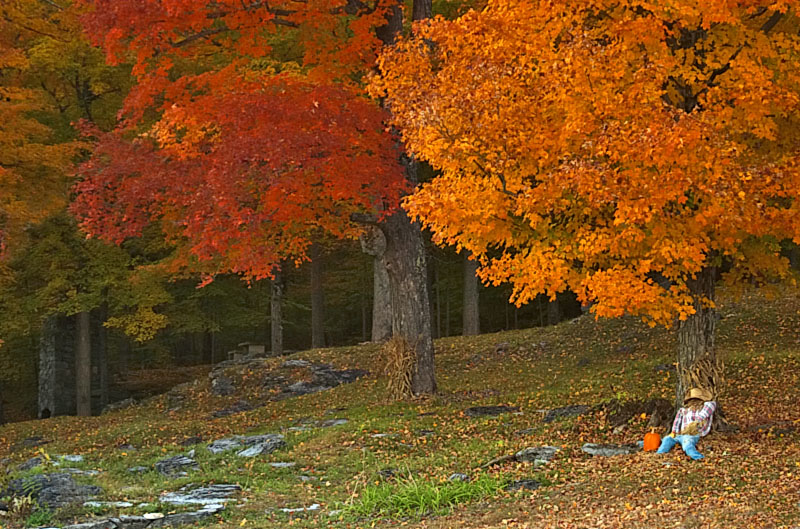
x=610, y=147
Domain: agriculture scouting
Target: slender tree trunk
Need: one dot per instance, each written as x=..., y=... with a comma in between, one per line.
x=438, y=300
x=471, y=313
x=276, y=313
x=373, y=242
x=2, y=412
x=553, y=312
x=447, y=313
x=317, y=298
x=698, y=365
x=102, y=355
x=83, y=364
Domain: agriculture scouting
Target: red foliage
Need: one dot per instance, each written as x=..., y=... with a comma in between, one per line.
x=239, y=177
x=239, y=154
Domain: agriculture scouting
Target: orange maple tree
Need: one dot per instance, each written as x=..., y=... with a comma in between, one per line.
x=631, y=151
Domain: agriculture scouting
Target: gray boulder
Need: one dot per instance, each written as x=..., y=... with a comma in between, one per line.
x=249, y=446
x=537, y=455
x=608, y=450
x=565, y=411
x=489, y=411
x=175, y=465
x=150, y=520
x=292, y=364
x=30, y=463
x=52, y=490
x=221, y=385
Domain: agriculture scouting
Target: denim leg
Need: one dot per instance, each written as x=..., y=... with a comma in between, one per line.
x=689, y=445
x=666, y=445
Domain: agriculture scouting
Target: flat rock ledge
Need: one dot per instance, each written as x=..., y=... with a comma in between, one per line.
x=150, y=520
x=539, y=455
x=489, y=411
x=565, y=411
x=608, y=450
x=175, y=465
x=211, y=495
x=248, y=446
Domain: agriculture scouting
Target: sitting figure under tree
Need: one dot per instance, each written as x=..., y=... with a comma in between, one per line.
x=692, y=422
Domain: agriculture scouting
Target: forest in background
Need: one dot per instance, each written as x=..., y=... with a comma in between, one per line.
x=149, y=149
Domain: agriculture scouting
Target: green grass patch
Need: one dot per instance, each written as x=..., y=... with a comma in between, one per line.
x=417, y=497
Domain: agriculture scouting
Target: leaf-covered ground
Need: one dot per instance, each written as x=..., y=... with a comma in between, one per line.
x=749, y=479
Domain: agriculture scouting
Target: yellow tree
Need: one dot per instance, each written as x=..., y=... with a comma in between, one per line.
x=635, y=152
x=34, y=159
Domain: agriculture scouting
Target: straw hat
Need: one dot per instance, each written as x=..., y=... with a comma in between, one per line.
x=697, y=393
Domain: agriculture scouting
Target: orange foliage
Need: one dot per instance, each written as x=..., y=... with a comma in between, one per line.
x=605, y=145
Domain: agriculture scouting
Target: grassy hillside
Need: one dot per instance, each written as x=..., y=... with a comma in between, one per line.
x=749, y=478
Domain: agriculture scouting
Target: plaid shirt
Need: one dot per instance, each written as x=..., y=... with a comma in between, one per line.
x=685, y=416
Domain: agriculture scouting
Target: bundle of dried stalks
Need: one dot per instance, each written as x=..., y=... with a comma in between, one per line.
x=399, y=358
x=708, y=373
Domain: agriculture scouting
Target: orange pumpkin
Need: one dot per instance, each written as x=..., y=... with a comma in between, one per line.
x=651, y=441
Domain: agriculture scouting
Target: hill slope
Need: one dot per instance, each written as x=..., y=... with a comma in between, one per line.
x=389, y=463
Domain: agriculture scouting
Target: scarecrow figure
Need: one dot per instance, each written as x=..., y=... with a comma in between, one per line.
x=692, y=422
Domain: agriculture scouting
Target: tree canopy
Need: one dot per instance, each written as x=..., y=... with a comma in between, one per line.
x=239, y=155
x=616, y=149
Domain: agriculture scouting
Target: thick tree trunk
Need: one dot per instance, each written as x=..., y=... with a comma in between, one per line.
x=471, y=314
x=317, y=298
x=411, y=319
x=373, y=242
x=698, y=365
x=83, y=364
x=405, y=252
x=276, y=313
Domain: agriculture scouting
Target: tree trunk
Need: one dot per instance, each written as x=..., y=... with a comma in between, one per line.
x=471, y=312
x=438, y=300
x=276, y=313
x=277, y=288
x=553, y=312
x=317, y=298
x=83, y=364
x=405, y=252
x=373, y=242
x=2, y=413
x=411, y=320
x=698, y=365
x=102, y=353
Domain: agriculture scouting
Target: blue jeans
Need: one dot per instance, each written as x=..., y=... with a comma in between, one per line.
x=687, y=442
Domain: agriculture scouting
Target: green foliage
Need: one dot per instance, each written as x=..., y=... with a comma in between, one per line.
x=39, y=517
x=417, y=497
